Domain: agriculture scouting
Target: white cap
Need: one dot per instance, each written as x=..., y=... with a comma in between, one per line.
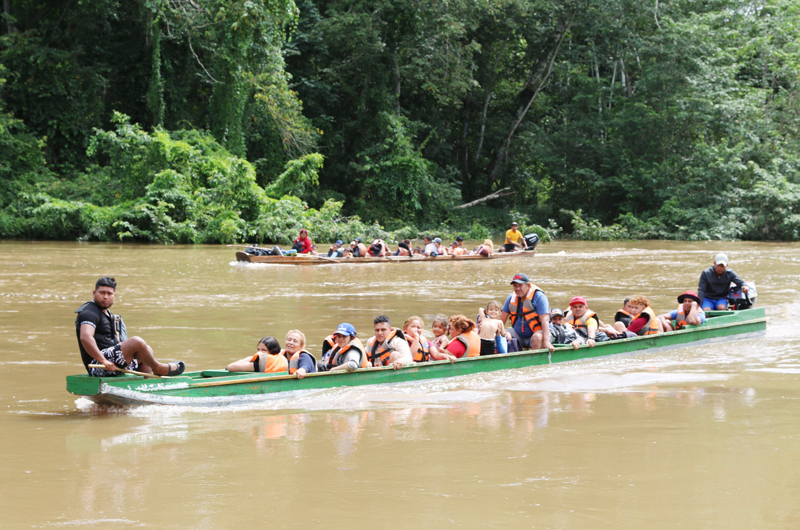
x=721, y=259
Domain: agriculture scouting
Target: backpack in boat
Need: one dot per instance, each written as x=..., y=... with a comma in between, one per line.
x=257, y=251
x=119, y=324
x=531, y=240
x=739, y=300
x=600, y=336
x=563, y=334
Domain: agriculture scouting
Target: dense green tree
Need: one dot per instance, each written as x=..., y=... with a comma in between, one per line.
x=615, y=118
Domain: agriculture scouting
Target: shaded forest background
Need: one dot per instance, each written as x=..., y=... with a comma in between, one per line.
x=242, y=120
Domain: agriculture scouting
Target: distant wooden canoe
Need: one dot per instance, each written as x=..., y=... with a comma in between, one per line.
x=305, y=259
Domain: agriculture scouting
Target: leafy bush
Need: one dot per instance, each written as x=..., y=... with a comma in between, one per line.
x=593, y=230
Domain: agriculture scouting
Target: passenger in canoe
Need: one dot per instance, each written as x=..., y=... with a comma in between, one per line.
x=430, y=248
x=268, y=359
x=404, y=248
x=389, y=346
x=514, y=240
x=715, y=284
x=440, y=248
x=343, y=351
x=357, y=249
x=485, y=249
x=103, y=339
x=303, y=243
x=379, y=249
x=529, y=310
x=688, y=313
x=439, y=328
x=491, y=330
x=585, y=322
x=561, y=332
x=456, y=249
x=301, y=362
x=644, y=320
x=336, y=250
x=625, y=314
x=464, y=341
x=422, y=350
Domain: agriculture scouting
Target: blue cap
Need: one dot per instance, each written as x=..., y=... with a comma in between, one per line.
x=346, y=329
x=339, y=242
x=520, y=278
x=438, y=240
x=358, y=240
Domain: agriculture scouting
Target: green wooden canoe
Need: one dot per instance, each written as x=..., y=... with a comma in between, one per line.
x=219, y=387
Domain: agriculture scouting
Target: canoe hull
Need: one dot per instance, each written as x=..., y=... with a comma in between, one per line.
x=210, y=389
x=322, y=260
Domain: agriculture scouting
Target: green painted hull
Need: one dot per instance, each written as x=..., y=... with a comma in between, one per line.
x=218, y=387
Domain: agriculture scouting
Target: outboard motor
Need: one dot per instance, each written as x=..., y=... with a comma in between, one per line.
x=531, y=240
x=739, y=300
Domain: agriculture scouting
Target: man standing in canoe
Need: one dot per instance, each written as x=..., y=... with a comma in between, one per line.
x=103, y=340
x=529, y=310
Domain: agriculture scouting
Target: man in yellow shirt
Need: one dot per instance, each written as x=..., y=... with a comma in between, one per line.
x=514, y=239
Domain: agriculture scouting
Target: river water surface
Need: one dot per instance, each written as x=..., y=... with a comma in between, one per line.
x=695, y=437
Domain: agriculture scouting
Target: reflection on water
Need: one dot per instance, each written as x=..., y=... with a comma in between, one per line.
x=701, y=436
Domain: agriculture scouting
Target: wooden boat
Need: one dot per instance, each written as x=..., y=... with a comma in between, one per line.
x=220, y=387
x=305, y=259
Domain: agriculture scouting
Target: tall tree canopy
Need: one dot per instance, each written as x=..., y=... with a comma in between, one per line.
x=670, y=119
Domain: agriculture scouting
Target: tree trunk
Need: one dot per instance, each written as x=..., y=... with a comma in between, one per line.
x=7, y=10
x=537, y=82
x=496, y=195
x=489, y=92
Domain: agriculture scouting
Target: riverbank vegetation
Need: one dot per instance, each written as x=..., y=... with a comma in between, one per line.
x=243, y=120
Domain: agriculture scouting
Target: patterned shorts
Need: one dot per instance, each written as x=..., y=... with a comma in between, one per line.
x=113, y=354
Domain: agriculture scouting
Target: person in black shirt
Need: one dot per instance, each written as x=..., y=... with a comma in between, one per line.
x=715, y=284
x=102, y=338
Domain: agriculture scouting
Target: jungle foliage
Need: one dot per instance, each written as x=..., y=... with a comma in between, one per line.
x=224, y=121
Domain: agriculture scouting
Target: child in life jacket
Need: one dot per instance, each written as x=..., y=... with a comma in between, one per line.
x=493, y=334
x=268, y=359
x=562, y=332
x=440, y=340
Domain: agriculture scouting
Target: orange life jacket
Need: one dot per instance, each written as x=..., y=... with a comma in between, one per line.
x=680, y=318
x=580, y=323
x=528, y=311
x=651, y=328
x=624, y=317
x=328, y=344
x=272, y=362
x=295, y=360
x=472, y=342
x=423, y=353
x=380, y=353
x=335, y=355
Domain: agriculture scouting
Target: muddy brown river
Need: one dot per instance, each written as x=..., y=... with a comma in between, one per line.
x=695, y=437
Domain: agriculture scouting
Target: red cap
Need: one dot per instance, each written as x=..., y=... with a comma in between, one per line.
x=578, y=300
x=689, y=294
